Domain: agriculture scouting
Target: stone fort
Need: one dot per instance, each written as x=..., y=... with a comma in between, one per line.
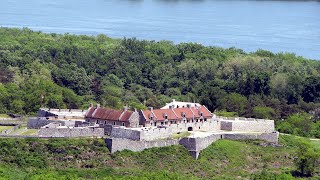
x=138, y=130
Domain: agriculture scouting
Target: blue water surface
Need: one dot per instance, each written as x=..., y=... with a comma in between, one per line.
x=278, y=26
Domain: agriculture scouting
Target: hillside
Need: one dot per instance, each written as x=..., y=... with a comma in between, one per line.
x=89, y=158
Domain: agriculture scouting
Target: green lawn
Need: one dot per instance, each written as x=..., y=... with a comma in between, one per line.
x=30, y=132
x=3, y=128
x=4, y=116
x=181, y=135
x=316, y=143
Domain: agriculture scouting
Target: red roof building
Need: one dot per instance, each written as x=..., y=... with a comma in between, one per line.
x=155, y=117
x=98, y=115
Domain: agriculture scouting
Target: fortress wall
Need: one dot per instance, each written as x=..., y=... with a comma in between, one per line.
x=158, y=133
x=193, y=145
x=248, y=125
x=71, y=132
x=118, y=132
x=150, y=134
x=226, y=125
x=167, y=132
x=35, y=123
x=119, y=144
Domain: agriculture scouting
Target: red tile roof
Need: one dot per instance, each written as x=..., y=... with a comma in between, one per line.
x=108, y=114
x=177, y=113
x=187, y=111
x=202, y=109
x=125, y=116
x=90, y=111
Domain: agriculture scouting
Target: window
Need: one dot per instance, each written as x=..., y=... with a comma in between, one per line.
x=171, y=122
x=155, y=124
x=205, y=119
x=188, y=121
x=201, y=114
x=114, y=123
x=105, y=122
x=151, y=124
x=123, y=124
x=161, y=123
x=166, y=122
x=197, y=120
x=166, y=116
x=97, y=122
x=151, y=118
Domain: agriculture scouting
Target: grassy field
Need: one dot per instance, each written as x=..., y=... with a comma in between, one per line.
x=29, y=132
x=33, y=158
x=316, y=143
x=181, y=135
x=4, y=116
x=3, y=128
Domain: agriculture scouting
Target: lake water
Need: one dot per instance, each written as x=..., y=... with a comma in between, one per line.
x=278, y=26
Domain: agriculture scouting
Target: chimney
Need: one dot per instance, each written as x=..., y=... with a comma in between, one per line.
x=98, y=105
x=91, y=104
x=173, y=100
x=150, y=108
x=188, y=105
x=125, y=108
x=135, y=109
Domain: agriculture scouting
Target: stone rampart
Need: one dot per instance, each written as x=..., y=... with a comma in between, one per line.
x=37, y=123
x=193, y=144
x=119, y=132
x=119, y=144
x=71, y=132
x=253, y=125
x=150, y=133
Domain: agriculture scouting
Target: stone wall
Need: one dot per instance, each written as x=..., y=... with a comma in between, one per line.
x=248, y=125
x=71, y=132
x=37, y=123
x=119, y=144
x=150, y=133
x=120, y=132
x=107, y=129
x=193, y=145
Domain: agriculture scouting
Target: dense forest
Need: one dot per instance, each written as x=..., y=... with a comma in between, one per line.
x=71, y=71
